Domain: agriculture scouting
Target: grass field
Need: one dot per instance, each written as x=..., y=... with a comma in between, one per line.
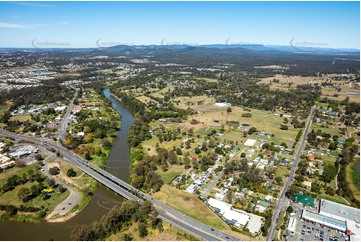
x=331, y=129
x=282, y=171
x=14, y=171
x=21, y=118
x=329, y=92
x=353, y=178
x=171, y=173
x=190, y=205
x=11, y=198
x=262, y=120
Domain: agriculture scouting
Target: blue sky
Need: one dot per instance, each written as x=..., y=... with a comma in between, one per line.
x=90, y=24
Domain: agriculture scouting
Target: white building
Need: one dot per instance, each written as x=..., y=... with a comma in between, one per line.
x=291, y=228
x=250, y=142
x=225, y=209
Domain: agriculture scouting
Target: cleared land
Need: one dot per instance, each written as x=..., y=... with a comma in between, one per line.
x=352, y=90
x=190, y=205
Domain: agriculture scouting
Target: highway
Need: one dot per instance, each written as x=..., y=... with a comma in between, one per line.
x=122, y=188
x=280, y=204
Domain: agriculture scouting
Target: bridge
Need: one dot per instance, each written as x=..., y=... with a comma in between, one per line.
x=127, y=191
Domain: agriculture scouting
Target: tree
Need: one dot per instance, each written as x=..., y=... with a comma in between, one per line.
x=71, y=172
x=54, y=171
x=142, y=227
x=289, y=209
x=52, y=183
x=229, y=109
x=24, y=193
x=252, y=130
x=329, y=173
x=38, y=157
x=87, y=156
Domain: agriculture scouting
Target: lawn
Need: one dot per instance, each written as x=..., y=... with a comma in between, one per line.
x=171, y=173
x=334, y=198
x=331, y=129
x=11, y=198
x=14, y=171
x=21, y=118
x=353, y=178
x=282, y=171
x=190, y=205
x=262, y=120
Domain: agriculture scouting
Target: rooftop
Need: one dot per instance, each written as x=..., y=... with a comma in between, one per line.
x=339, y=211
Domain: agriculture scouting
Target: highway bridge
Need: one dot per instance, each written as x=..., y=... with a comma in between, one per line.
x=127, y=191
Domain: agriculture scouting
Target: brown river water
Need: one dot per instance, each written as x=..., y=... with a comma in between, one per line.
x=103, y=199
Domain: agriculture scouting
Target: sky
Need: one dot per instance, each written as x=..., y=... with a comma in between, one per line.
x=103, y=24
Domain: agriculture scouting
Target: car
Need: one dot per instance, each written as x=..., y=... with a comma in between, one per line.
x=69, y=203
x=63, y=208
x=227, y=237
x=212, y=229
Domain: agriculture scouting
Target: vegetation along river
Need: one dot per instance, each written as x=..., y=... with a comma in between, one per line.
x=103, y=199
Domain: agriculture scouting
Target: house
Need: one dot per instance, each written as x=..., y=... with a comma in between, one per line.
x=77, y=108
x=307, y=184
x=268, y=198
x=224, y=190
x=311, y=157
x=219, y=196
x=284, y=162
x=262, y=206
x=192, y=188
x=176, y=180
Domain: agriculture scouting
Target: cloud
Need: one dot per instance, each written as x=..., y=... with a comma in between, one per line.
x=13, y=26
x=64, y=22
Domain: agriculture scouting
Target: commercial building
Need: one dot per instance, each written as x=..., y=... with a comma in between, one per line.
x=25, y=150
x=291, y=228
x=347, y=214
x=336, y=216
x=232, y=217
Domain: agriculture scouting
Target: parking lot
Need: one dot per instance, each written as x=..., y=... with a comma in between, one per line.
x=311, y=231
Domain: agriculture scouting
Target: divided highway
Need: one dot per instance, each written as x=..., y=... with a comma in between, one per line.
x=122, y=188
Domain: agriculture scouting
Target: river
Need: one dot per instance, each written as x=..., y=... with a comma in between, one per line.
x=103, y=199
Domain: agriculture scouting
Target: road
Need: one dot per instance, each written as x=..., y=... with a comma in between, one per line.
x=122, y=188
x=69, y=203
x=281, y=200
x=214, y=182
x=64, y=122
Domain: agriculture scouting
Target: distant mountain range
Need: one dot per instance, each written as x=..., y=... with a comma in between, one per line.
x=240, y=47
